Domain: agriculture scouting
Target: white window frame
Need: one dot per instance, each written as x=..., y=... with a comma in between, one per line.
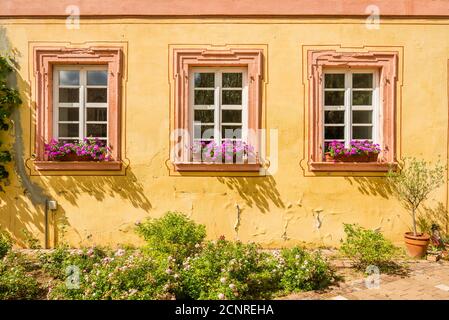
x=217, y=106
x=82, y=105
x=348, y=107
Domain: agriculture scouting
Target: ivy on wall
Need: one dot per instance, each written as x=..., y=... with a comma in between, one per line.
x=9, y=99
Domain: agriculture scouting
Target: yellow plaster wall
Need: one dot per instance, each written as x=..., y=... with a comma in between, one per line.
x=291, y=206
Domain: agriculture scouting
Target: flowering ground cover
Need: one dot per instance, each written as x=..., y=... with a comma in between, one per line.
x=176, y=263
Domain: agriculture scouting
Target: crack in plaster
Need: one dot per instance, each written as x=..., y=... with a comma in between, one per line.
x=318, y=219
x=237, y=222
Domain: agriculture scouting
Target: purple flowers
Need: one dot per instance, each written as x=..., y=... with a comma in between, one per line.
x=228, y=152
x=336, y=148
x=89, y=147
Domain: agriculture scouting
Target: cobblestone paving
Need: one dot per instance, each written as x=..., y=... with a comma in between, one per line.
x=423, y=280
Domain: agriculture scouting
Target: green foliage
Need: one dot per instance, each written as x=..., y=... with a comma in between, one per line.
x=174, y=234
x=57, y=262
x=120, y=275
x=304, y=271
x=230, y=270
x=414, y=182
x=5, y=244
x=177, y=264
x=367, y=247
x=15, y=280
x=9, y=99
x=32, y=242
x=434, y=218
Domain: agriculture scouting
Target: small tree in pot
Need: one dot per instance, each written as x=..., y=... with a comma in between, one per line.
x=412, y=185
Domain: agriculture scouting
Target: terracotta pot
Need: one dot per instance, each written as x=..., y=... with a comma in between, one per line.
x=370, y=157
x=75, y=157
x=416, y=245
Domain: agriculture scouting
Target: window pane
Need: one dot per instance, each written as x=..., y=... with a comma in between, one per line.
x=97, y=78
x=334, y=98
x=204, y=97
x=232, y=80
x=96, y=130
x=231, y=132
x=362, y=132
x=68, y=130
x=203, y=132
x=334, y=80
x=334, y=133
x=96, y=114
x=362, y=116
x=362, y=80
x=232, y=97
x=231, y=116
x=97, y=95
x=204, y=80
x=206, y=116
x=68, y=114
x=334, y=117
x=67, y=95
x=362, y=98
x=69, y=77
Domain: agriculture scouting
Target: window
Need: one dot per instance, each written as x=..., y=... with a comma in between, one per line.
x=80, y=100
x=352, y=96
x=351, y=106
x=217, y=97
x=77, y=95
x=219, y=102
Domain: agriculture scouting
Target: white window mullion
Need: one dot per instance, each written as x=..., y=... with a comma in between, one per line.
x=217, y=113
x=348, y=112
x=82, y=110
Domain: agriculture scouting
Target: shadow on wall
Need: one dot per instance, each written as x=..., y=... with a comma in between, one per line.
x=439, y=216
x=101, y=187
x=22, y=205
x=255, y=191
x=374, y=186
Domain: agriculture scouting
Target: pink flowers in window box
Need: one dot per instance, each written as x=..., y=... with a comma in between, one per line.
x=89, y=149
x=358, y=151
x=226, y=152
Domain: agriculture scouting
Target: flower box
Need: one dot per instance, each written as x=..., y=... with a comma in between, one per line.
x=228, y=152
x=363, y=157
x=89, y=149
x=75, y=157
x=358, y=151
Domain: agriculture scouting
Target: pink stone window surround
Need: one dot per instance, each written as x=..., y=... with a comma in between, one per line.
x=386, y=64
x=187, y=59
x=45, y=58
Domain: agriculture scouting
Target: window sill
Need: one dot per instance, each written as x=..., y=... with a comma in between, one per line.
x=78, y=165
x=217, y=167
x=352, y=166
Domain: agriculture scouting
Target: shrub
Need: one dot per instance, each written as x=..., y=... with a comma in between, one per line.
x=174, y=234
x=228, y=270
x=31, y=241
x=57, y=261
x=367, y=247
x=120, y=275
x=5, y=244
x=15, y=282
x=303, y=271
